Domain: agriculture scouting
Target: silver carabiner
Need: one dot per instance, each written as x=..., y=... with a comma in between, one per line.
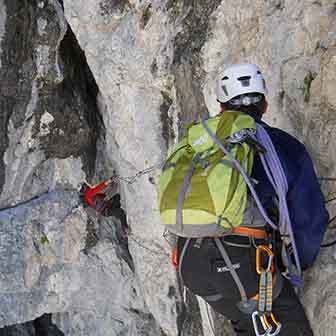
x=276, y=332
x=255, y=315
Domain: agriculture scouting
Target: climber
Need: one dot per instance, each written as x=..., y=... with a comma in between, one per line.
x=253, y=263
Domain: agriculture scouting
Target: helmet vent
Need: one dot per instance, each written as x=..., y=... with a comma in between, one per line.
x=225, y=90
x=245, y=80
x=225, y=78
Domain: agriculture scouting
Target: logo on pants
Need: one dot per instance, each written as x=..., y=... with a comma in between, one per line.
x=223, y=268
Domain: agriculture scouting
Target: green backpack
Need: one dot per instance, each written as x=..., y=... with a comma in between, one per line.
x=201, y=192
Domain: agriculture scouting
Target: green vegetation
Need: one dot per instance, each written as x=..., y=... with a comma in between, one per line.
x=44, y=240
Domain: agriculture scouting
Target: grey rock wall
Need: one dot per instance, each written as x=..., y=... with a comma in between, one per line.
x=151, y=68
x=41, y=326
x=48, y=111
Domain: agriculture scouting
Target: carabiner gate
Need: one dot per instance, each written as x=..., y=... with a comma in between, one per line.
x=270, y=264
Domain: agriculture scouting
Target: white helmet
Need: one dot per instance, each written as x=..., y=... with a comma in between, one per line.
x=240, y=79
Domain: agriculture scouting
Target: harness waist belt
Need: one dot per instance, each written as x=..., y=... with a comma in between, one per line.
x=255, y=233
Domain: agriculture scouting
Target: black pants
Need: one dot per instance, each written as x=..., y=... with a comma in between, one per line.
x=204, y=272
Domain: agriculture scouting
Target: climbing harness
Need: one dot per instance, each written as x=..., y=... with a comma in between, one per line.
x=258, y=307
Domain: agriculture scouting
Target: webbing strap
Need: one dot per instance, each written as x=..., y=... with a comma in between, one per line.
x=232, y=270
x=183, y=191
x=265, y=292
x=269, y=292
x=227, y=163
x=181, y=258
x=277, y=285
x=213, y=298
x=262, y=292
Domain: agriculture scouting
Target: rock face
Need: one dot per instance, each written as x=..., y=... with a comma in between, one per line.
x=41, y=326
x=115, y=102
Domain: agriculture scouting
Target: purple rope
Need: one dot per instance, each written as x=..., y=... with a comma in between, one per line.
x=277, y=177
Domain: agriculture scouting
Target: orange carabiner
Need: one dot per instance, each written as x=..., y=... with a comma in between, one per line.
x=274, y=325
x=270, y=267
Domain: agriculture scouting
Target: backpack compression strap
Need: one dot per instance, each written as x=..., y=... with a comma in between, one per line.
x=183, y=191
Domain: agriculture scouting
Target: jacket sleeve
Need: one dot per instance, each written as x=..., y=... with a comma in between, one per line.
x=307, y=211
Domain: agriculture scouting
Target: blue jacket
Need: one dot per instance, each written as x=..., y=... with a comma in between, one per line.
x=305, y=200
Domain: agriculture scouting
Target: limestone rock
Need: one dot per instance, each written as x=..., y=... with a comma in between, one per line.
x=117, y=103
